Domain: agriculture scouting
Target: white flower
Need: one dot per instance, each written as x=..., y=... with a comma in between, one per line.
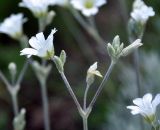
x=60, y=2
x=12, y=25
x=145, y=106
x=141, y=12
x=41, y=47
x=88, y=7
x=92, y=71
x=37, y=7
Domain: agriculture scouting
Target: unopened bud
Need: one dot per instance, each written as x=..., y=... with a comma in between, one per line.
x=12, y=68
x=91, y=73
x=63, y=57
x=116, y=42
x=59, y=64
x=131, y=47
x=19, y=121
x=110, y=49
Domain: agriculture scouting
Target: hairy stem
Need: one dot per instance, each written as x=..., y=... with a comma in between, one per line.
x=23, y=71
x=85, y=123
x=15, y=104
x=41, y=24
x=45, y=104
x=71, y=91
x=85, y=98
x=102, y=84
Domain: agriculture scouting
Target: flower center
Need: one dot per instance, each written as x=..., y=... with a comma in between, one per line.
x=88, y=4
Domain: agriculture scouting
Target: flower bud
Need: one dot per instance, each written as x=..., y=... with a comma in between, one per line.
x=19, y=121
x=131, y=47
x=92, y=71
x=59, y=64
x=63, y=57
x=110, y=50
x=12, y=69
x=116, y=42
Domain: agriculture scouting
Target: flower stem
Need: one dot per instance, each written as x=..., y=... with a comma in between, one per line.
x=85, y=98
x=45, y=104
x=102, y=84
x=85, y=123
x=137, y=71
x=13, y=90
x=23, y=71
x=71, y=91
x=42, y=24
x=15, y=104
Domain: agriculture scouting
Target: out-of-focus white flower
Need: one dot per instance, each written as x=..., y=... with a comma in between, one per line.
x=88, y=7
x=37, y=7
x=145, y=106
x=41, y=47
x=12, y=26
x=91, y=73
x=60, y=2
x=141, y=12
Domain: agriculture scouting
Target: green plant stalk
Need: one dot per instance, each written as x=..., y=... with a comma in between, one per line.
x=15, y=104
x=85, y=98
x=45, y=104
x=23, y=71
x=85, y=123
x=83, y=113
x=102, y=84
x=71, y=91
x=137, y=69
x=14, y=88
x=42, y=23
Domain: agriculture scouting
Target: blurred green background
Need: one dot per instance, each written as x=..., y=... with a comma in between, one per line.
x=111, y=20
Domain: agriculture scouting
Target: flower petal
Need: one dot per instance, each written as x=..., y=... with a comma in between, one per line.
x=29, y=52
x=89, y=12
x=156, y=101
x=134, y=109
x=138, y=102
x=40, y=37
x=35, y=43
x=147, y=98
x=97, y=73
x=100, y=2
x=93, y=67
x=49, y=41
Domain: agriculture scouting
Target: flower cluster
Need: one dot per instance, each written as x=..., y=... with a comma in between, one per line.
x=116, y=49
x=8, y=26
x=146, y=106
x=88, y=7
x=141, y=12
